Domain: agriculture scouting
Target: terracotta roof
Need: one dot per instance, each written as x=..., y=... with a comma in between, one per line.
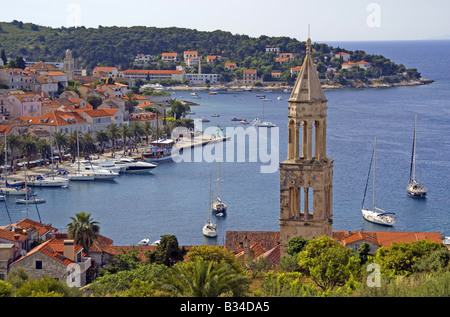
x=143, y=71
x=13, y=235
x=250, y=71
x=29, y=224
x=169, y=54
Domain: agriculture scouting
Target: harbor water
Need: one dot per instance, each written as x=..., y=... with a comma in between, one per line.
x=173, y=199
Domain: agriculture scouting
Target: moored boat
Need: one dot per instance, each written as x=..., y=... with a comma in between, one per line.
x=415, y=188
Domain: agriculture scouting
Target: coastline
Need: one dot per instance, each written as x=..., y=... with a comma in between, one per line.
x=270, y=86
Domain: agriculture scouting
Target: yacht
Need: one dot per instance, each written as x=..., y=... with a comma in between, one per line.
x=109, y=165
x=48, y=180
x=414, y=187
x=135, y=166
x=209, y=229
x=161, y=150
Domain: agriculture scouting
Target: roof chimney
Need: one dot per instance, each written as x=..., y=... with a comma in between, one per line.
x=69, y=250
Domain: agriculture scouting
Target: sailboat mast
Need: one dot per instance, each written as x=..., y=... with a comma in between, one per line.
x=414, y=150
x=374, y=164
x=218, y=178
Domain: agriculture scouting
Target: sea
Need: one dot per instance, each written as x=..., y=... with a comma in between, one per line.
x=174, y=198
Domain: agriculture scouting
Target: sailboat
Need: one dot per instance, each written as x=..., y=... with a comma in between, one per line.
x=263, y=123
x=376, y=215
x=209, y=229
x=218, y=206
x=414, y=188
x=78, y=174
x=10, y=189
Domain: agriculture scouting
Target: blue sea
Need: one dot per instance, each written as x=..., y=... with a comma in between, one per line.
x=173, y=199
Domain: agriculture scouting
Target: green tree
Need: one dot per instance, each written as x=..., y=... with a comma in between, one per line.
x=28, y=147
x=62, y=141
x=83, y=230
x=329, y=263
x=200, y=279
x=125, y=132
x=89, y=146
x=6, y=289
x=296, y=245
x=215, y=254
x=400, y=258
x=94, y=101
x=167, y=252
x=114, y=134
x=13, y=142
x=102, y=137
x=3, y=57
x=136, y=130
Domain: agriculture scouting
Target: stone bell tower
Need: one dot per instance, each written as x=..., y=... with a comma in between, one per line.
x=306, y=177
x=69, y=65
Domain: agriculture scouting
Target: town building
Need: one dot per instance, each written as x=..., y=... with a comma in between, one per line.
x=343, y=55
x=361, y=64
x=105, y=72
x=169, y=57
x=152, y=74
x=250, y=76
x=69, y=65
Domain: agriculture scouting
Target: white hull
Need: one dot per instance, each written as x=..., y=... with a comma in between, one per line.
x=75, y=176
x=378, y=217
x=12, y=191
x=210, y=230
x=49, y=182
x=30, y=201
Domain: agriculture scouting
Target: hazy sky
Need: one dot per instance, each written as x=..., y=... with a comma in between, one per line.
x=330, y=20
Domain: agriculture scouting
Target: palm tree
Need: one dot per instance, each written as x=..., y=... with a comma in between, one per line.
x=114, y=134
x=29, y=147
x=43, y=147
x=200, y=279
x=125, y=131
x=102, y=137
x=72, y=144
x=83, y=230
x=147, y=129
x=61, y=141
x=89, y=145
x=130, y=101
x=136, y=130
x=13, y=142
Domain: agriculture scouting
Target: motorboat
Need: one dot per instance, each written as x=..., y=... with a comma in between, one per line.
x=236, y=119
x=48, y=180
x=203, y=119
x=160, y=150
x=414, y=187
x=98, y=172
x=244, y=121
x=376, y=215
x=215, y=115
x=258, y=123
x=76, y=175
x=108, y=165
x=14, y=190
x=135, y=166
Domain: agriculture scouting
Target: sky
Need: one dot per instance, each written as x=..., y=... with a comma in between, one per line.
x=329, y=20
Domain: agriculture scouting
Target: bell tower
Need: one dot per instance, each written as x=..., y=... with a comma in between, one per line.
x=69, y=64
x=306, y=177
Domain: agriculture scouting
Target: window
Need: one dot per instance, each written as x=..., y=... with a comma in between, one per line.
x=38, y=265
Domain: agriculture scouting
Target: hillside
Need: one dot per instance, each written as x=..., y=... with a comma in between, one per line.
x=118, y=46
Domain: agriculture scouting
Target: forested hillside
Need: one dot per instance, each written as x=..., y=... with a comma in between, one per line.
x=118, y=46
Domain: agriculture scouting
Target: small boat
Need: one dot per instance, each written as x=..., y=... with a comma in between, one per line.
x=415, y=188
x=144, y=242
x=209, y=229
x=279, y=98
x=376, y=215
x=156, y=243
x=244, y=121
x=236, y=119
x=261, y=96
x=13, y=191
x=2, y=197
x=80, y=176
x=203, y=119
x=194, y=94
x=30, y=200
x=212, y=93
x=263, y=124
x=215, y=115
x=190, y=112
x=218, y=207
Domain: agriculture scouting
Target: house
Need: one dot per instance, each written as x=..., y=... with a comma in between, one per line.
x=169, y=57
x=296, y=70
x=189, y=54
x=250, y=76
x=5, y=108
x=212, y=58
x=49, y=85
x=59, y=76
x=230, y=66
x=153, y=74
x=289, y=56
x=276, y=75
x=105, y=72
x=281, y=61
x=56, y=258
x=99, y=119
x=114, y=90
x=143, y=59
x=147, y=117
x=119, y=104
x=361, y=64
x=343, y=55
x=271, y=49
x=58, y=121
x=193, y=61
x=203, y=78
x=25, y=104
x=17, y=78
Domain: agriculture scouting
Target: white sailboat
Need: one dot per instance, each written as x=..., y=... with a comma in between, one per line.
x=218, y=206
x=209, y=229
x=415, y=188
x=78, y=174
x=262, y=123
x=376, y=215
x=10, y=189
